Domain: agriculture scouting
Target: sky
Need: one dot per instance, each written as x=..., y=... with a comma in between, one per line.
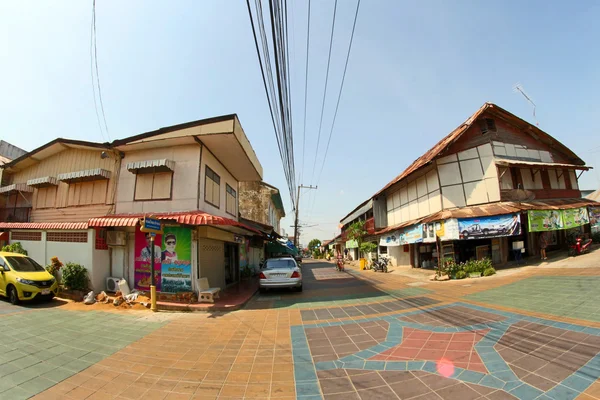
x=416, y=71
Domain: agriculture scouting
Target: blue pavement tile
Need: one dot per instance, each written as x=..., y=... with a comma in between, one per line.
x=307, y=389
x=485, y=350
x=589, y=372
x=497, y=366
x=302, y=358
x=429, y=366
x=395, y=366
x=485, y=342
x=526, y=392
x=365, y=354
x=313, y=397
x=577, y=328
x=561, y=325
x=354, y=365
x=351, y=358
x=506, y=376
x=324, y=365
x=392, y=341
x=491, y=357
x=470, y=376
x=339, y=364
x=562, y=392
x=492, y=382
x=577, y=382
x=304, y=372
x=375, y=365
x=414, y=365
x=592, y=331
x=511, y=385
x=379, y=348
x=544, y=397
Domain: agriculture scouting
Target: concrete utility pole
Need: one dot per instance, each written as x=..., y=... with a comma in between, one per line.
x=297, y=211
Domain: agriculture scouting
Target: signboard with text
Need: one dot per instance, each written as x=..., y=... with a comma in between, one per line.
x=176, y=260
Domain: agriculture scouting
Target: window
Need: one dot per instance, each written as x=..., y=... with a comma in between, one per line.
x=46, y=197
x=86, y=193
x=153, y=186
x=70, y=237
x=24, y=264
x=506, y=181
x=488, y=125
x=23, y=235
x=212, y=188
x=101, y=240
x=231, y=200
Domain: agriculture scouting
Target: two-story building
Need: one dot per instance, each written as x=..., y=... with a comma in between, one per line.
x=262, y=203
x=86, y=201
x=483, y=190
x=363, y=212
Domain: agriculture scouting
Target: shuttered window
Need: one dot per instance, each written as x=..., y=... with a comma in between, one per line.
x=231, y=200
x=212, y=188
x=153, y=186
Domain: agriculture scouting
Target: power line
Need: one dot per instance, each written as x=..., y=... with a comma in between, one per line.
x=305, y=92
x=325, y=90
x=95, y=61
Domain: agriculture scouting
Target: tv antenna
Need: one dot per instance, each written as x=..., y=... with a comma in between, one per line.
x=519, y=88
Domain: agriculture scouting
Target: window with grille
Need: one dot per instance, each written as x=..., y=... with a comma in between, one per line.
x=231, y=200
x=153, y=186
x=31, y=236
x=101, y=239
x=212, y=188
x=71, y=237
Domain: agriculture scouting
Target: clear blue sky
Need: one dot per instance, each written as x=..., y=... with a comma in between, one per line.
x=415, y=73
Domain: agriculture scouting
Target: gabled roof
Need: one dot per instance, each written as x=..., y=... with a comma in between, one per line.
x=441, y=146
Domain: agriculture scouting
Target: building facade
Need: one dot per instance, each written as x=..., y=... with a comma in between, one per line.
x=261, y=202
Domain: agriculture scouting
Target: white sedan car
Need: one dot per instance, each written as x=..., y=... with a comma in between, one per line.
x=281, y=272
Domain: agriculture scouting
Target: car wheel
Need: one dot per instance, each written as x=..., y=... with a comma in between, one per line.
x=299, y=288
x=13, y=297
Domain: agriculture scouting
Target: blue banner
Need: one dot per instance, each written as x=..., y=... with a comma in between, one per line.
x=489, y=227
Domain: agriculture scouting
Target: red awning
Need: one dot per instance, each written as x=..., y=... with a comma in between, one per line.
x=44, y=225
x=186, y=218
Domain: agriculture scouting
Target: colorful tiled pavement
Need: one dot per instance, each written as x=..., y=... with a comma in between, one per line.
x=357, y=335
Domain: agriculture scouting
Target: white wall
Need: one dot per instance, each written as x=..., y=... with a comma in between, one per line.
x=417, y=198
x=212, y=260
x=226, y=178
x=185, y=178
x=101, y=268
x=398, y=257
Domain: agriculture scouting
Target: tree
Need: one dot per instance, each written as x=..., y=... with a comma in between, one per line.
x=314, y=244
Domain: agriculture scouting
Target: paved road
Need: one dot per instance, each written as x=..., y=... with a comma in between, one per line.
x=356, y=335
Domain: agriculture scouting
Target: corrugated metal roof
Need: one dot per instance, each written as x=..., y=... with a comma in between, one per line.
x=398, y=226
x=595, y=196
x=506, y=161
x=366, y=206
x=16, y=187
x=44, y=225
x=187, y=218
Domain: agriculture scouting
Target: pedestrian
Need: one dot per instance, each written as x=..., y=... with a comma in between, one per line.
x=543, y=244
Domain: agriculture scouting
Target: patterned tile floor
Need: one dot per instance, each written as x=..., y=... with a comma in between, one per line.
x=471, y=343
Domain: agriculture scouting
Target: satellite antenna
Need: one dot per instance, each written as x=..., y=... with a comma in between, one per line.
x=519, y=88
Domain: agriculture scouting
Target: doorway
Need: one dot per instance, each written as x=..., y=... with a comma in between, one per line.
x=232, y=269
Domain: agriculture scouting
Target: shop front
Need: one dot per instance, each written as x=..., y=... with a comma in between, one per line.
x=559, y=228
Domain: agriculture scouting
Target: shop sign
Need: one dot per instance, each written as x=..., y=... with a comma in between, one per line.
x=489, y=227
x=551, y=220
x=176, y=257
x=432, y=230
x=575, y=217
x=412, y=235
x=450, y=230
x=594, y=214
x=351, y=244
x=392, y=239
x=141, y=265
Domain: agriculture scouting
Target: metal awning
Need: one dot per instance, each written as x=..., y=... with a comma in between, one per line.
x=84, y=176
x=521, y=163
x=360, y=211
x=185, y=218
x=140, y=167
x=16, y=187
x=43, y=182
x=44, y=225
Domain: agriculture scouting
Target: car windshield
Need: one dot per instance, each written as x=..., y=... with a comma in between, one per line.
x=24, y=264
x=281, y=264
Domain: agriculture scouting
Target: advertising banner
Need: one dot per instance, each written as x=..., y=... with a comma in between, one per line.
x=391, y=239
x=450, y=230
x=575, y=217
x=489, y=227
x=432, y=230
x=176, y=257
x=141, y=265
x=412, y=235
x=351, y=244
x=594, y=214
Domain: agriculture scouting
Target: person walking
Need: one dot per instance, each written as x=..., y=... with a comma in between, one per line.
x=543, y=244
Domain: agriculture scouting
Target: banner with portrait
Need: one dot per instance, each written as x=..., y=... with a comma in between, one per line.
x=552, y=220
x=176, y=260
x=141, y=265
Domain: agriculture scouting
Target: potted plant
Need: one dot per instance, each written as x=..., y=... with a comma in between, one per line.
x=474, y=269
x=54, y=268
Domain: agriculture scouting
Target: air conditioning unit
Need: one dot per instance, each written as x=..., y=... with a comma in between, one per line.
x=116, y=238
x=112, y=284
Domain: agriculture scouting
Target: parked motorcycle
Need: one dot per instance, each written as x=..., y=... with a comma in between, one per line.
x=381, y=264
x=580, y=247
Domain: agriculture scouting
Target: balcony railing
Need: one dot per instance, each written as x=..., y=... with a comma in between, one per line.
x=15, y=214
x=370, y=225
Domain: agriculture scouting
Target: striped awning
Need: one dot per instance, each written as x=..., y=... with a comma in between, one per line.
x=163, y=165
x=43, y=181
x=44, y=225
x=16, y=187
x=185, y=218
x=84, y=176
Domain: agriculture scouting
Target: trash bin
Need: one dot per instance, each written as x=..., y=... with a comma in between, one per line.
x=363, y=263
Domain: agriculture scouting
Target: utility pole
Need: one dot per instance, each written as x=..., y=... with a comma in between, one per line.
x=297, y=211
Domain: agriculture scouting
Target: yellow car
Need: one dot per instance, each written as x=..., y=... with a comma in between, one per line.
x=21, y=278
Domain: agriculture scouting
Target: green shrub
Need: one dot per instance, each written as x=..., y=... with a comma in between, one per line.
x=75, y=277
x=15, y=248
x=489, y=271
x=461, y=275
